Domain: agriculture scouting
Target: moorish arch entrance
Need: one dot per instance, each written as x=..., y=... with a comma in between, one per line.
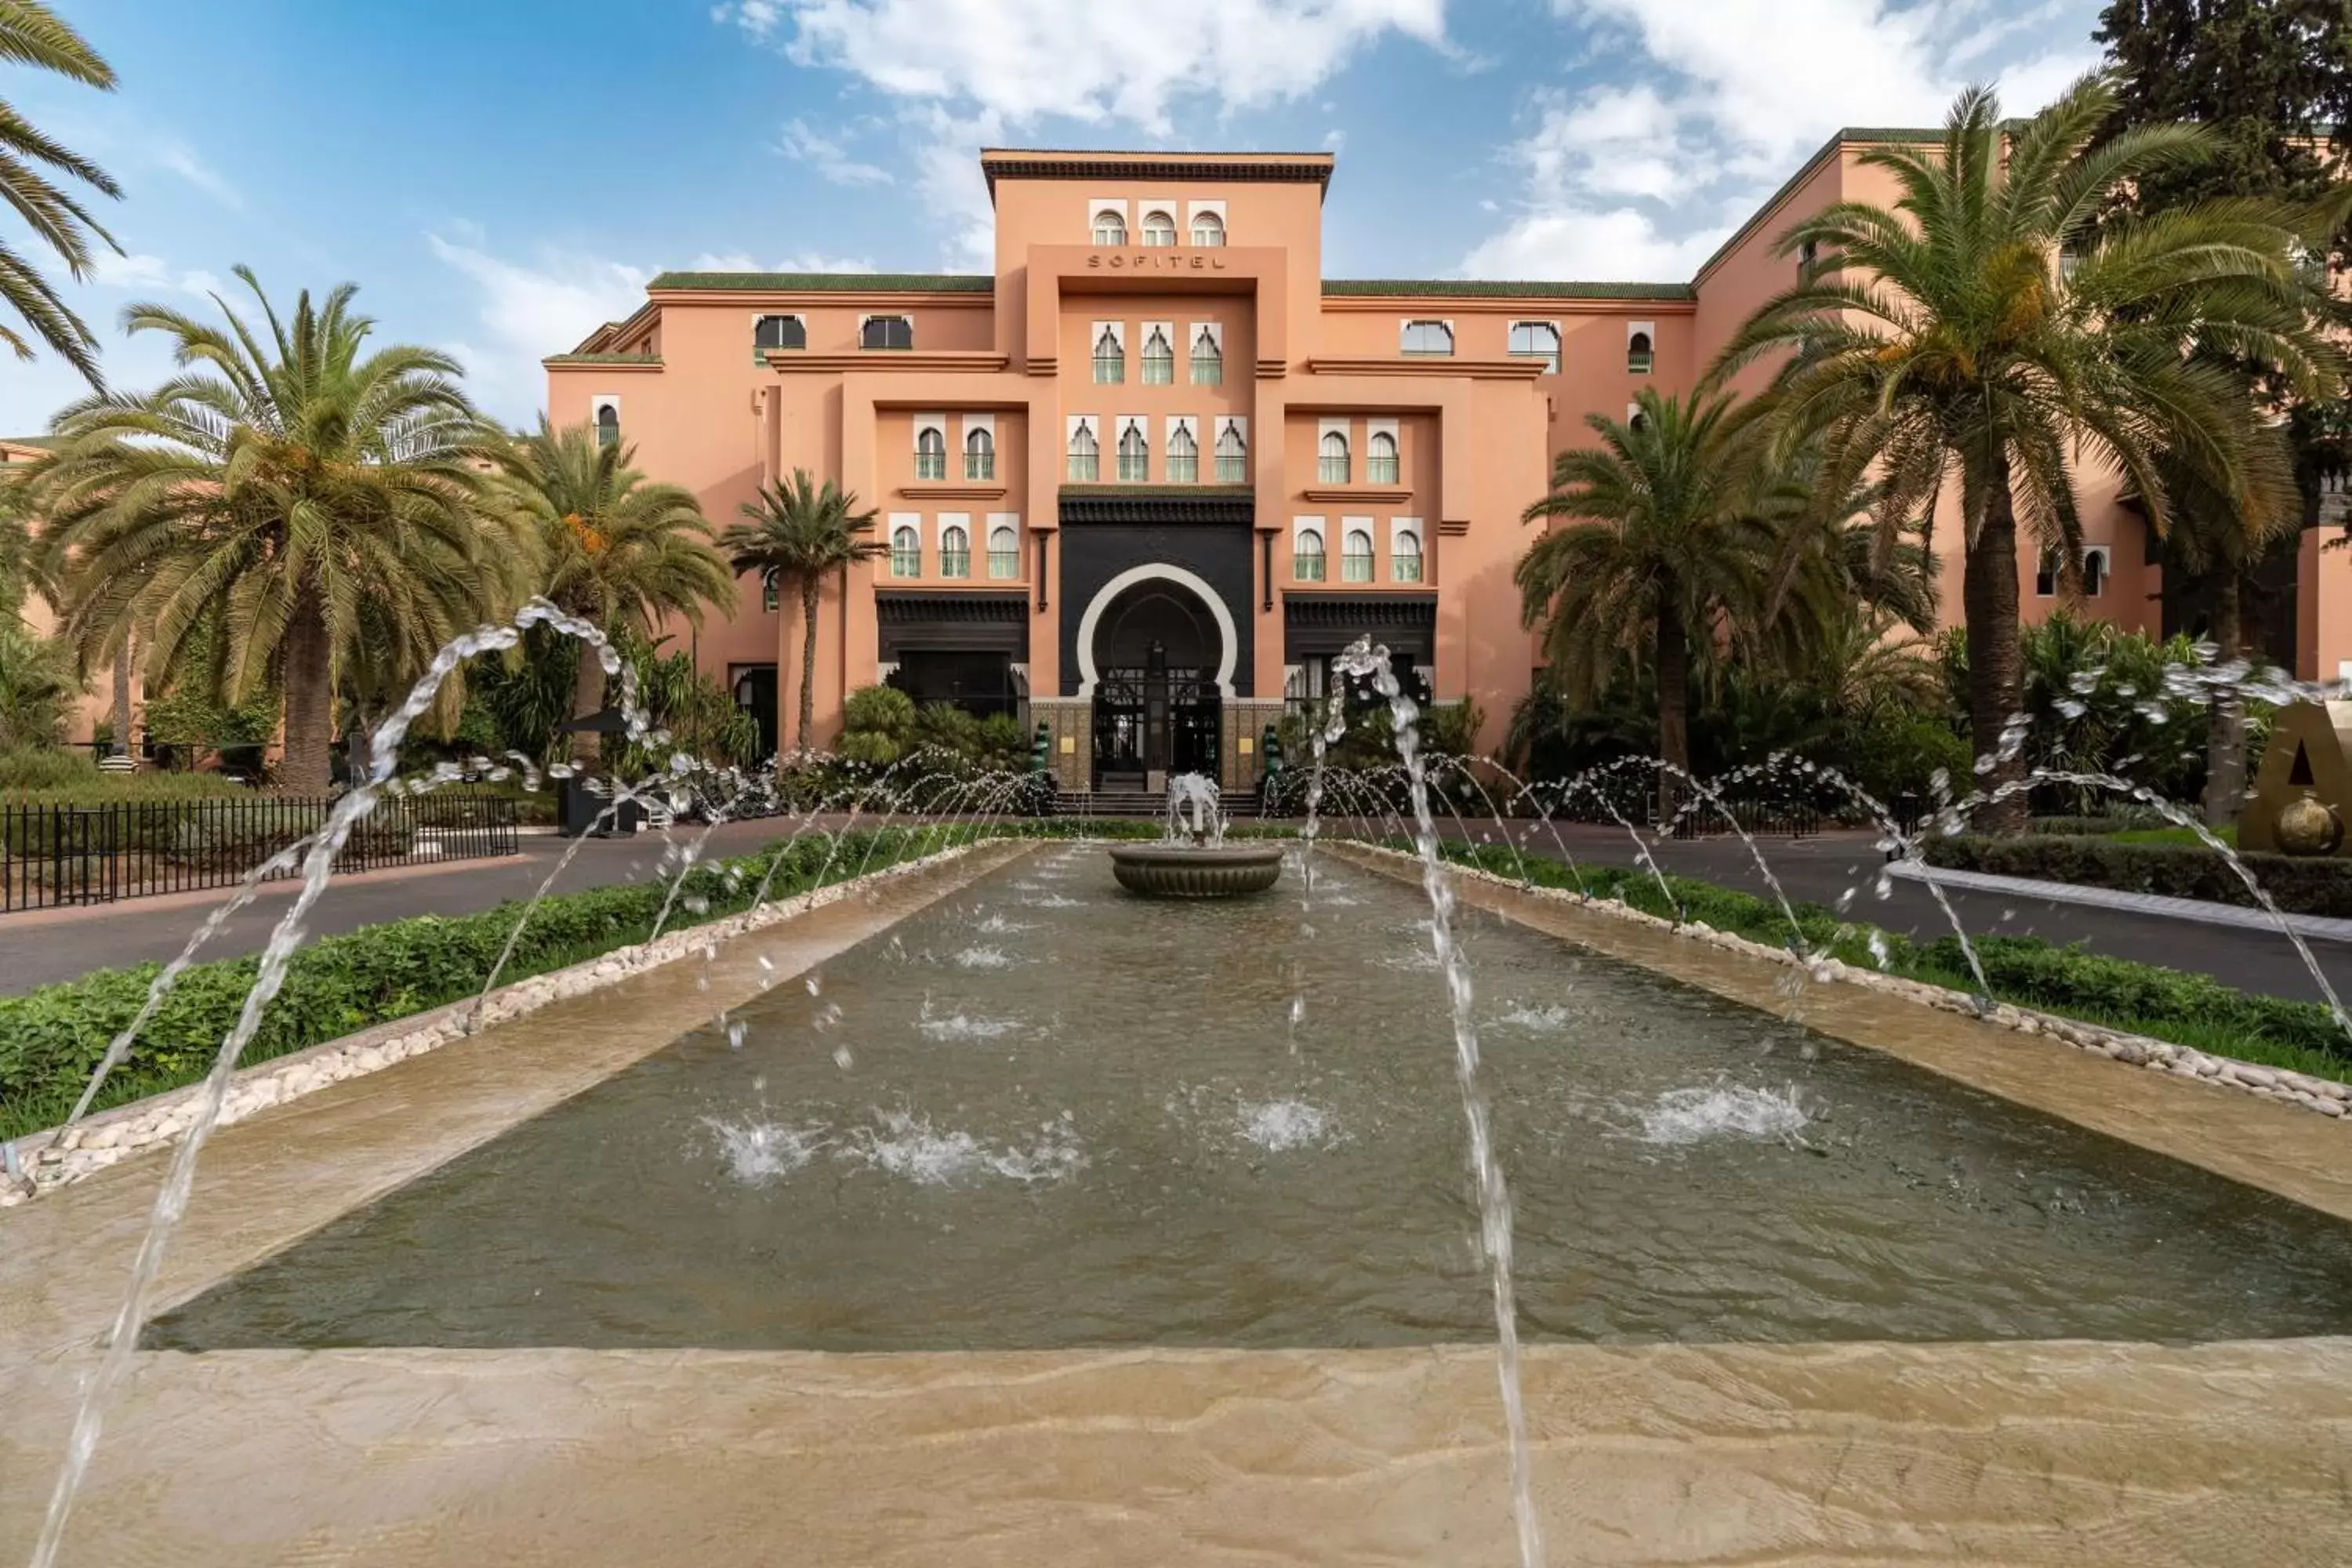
x=1161, y=658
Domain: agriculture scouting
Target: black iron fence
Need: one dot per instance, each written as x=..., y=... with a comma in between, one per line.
x=56, y=856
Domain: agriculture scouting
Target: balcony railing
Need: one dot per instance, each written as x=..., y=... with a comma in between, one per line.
x=1405, y=568
x=906, y=562
x=1208, y=371
x=1378, y=470
x=955, y=563
x=1307, y=567
x=930, y=465
x=1159, y=370
x=1332, y=470
x=1354, y=568
x=1003, y=563
x=980, y=465
x=1232, y=471
x=1134, y=468
x=1110, y=370
x=1086, y=467
x=1183, y=471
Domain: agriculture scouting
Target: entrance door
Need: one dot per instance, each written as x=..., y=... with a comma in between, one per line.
x=1157, y=706
x=755, y=693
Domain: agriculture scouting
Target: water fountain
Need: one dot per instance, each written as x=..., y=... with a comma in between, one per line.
x=1192, y=859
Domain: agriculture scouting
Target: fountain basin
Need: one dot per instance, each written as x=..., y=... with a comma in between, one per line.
x=1196, y=871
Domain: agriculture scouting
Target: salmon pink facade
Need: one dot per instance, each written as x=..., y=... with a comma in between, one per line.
x=1145, y=479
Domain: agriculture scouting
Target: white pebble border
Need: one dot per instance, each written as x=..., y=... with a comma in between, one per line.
x=2324, y=1096
x=60, y=1156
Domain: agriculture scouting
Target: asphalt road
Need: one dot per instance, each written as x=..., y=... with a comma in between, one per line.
x=39, y=949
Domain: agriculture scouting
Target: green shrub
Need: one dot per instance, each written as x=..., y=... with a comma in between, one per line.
x=46, y=768
x=2304, y=887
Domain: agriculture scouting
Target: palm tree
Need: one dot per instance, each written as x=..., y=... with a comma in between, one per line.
x=1667, y=546
x=616, y=550
x=797, y=533
x=322, y=499
x=33, y=35
x=1986, y=330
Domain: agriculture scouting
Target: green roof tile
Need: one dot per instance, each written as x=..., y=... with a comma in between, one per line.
x=601, y=358
x=831, y=282
x=1500, y=289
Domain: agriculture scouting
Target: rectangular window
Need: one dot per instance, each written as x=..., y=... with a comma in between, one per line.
x=930, y=465
x=1184, y=470
x=906, y=561
x=1086, y=467
x=1426, y=339
x=887, y=332
x=1111, y=368
x=980, y=463
x=955, y=563
x=1003, y=563
x=1307, y=566
x=1208, y=371
x=1381, y=468
x=1331, y=467
x=1232, y=471
x=1405, y=568
x=1134, y=468
x=1355, y=568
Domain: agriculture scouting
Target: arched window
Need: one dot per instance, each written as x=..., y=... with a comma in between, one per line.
x=1404, y=556
x=1159, y=360
x=1307, y=556
x=979, y=455
x=955, y=552
x=1111, y=228
x=608, y=424
x=769, y=594
x=2045, y=574
x=1184, y=456
x=2095, y=572
x=1380, y=459
x=1134, y=456
x=1536, y=340
x=1809, y=263
x=1331, y=466
x=1086, y=456
x=906, y=551
x=930, y=454
x=1232, y=455
x=1638, y=357
x=1159, y=228
x=778, y=332
x=887, y=332
x=1208, y=228
x=1356, y=556
x=1208, y=358
x=1003, y=552
x=1433, y=338
x=1110, y=360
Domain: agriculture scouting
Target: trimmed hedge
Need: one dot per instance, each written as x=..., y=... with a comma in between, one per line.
x=51, y=1039
x=2143, y=998
x=2300, y=886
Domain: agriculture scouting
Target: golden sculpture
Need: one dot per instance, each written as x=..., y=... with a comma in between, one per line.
x=2298, y=800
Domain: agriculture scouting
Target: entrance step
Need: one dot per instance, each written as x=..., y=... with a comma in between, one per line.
x=1133, y=803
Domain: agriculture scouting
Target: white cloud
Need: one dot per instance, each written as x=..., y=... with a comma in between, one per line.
x=804, y=261
x=827, y=157
x=527, y=312
x=1642, y=181
x=182, y=160
x=138, y=271
x=1081, y=59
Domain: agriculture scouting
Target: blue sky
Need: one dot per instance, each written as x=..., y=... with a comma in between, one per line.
x=500, y=176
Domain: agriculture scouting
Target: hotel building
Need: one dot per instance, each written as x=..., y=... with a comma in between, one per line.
x=1141, y=481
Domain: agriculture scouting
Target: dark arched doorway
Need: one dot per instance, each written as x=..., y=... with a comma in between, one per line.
x=1157, y=649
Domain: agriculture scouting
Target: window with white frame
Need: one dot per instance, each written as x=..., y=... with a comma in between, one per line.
x=979, y=453
x=1634, y=418
x=930, y=453
x=955, y=544
x=1208, y=229
x=1380, y=465
x=1432, y=338
x=778, y=332
x=1134, y=452
x=1208, y=354
x=1159, y=227
x=1356, y=550
x=1307, y=559
x=1233, y=452
x=1158, y=355
x=770, y=594
x=886, y=332
x=1183, y=453
x=2095, y=570
x=608, y=421
x=906, y=548
x=1332, y=458
x=1110, y=354
x=1641, y=338
x=1536, y=340
x=1004, y=546
x=1110, y=226
x=1404, y=550
x=1085, y=450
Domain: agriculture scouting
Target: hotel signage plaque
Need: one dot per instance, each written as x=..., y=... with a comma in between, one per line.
x=1121, y=260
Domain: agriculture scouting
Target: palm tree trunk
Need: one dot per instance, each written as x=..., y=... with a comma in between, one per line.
x=809, y=589
x=121, y=747
x=588, y=699
x=308, y=766
x=2225, y=733
x=1996, y=675
x=1673, y=702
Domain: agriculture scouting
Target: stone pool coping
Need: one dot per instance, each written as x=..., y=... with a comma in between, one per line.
x=2262, y=1136
x=59, y=1156
x=2035, y=1455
